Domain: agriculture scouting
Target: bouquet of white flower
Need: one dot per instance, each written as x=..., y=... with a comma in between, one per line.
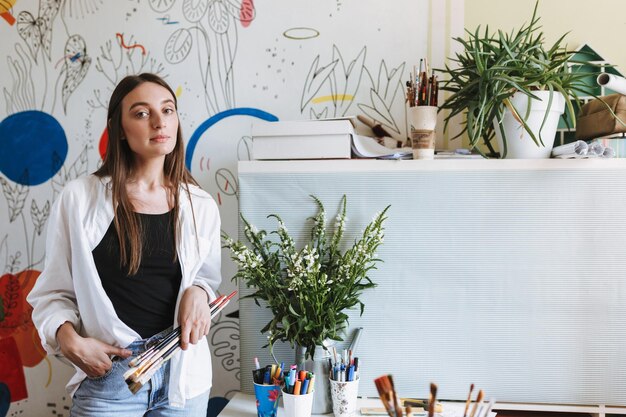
x=307, y=289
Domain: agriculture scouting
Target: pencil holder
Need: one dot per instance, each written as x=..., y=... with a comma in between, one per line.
x=423, y=120
x=423, y=117
x=266, y=399
x=344, y=396
x=298, y=405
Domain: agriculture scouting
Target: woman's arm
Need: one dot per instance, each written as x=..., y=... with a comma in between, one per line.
x=194, y=314
x=53, y=298
x=90, y=355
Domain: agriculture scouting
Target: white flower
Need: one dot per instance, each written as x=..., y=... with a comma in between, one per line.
x=340, y=221
x=306, y=275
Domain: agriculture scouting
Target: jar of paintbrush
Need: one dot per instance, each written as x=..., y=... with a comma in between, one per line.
x=422, y=93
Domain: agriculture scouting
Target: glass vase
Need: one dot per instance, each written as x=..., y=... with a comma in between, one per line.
x=318, y=364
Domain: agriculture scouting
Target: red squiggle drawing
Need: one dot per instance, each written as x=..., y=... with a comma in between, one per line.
x=135, y=45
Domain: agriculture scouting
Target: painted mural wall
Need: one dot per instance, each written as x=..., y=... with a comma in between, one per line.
x=231, y=63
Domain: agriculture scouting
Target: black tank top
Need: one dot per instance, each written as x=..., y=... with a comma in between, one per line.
x=145, y=301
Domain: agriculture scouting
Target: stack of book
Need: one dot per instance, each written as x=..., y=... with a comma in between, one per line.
x=304, y=139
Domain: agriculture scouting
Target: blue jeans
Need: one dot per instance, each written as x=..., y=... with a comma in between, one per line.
x=109, y=396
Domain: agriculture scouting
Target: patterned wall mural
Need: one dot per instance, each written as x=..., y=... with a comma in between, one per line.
x=231, y=63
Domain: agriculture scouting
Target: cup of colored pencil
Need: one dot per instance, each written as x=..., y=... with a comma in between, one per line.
x=267, y=382
x=298, y=392
x=344, y=383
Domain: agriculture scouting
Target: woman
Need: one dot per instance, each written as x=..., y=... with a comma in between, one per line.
x=132, y=250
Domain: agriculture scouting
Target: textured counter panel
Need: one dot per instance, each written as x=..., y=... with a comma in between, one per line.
x=512, y=280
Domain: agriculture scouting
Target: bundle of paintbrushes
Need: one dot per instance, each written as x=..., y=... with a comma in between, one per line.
x=144, y=366
x=394, y=407
x=422, y=89
x=479, y=409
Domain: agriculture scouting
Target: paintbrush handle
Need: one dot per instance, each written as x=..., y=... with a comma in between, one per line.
x=479, y=400
x=469, y=400
x=366, y=121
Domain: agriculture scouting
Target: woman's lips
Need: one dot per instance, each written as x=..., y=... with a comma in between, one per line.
x=159, y=138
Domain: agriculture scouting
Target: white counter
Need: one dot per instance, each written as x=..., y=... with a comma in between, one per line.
x=510, y=274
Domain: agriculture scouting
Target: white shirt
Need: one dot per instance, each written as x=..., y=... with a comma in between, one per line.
x=69, y=288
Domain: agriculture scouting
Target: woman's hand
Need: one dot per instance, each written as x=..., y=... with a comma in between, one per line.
x=194, y=316
x=90, y=355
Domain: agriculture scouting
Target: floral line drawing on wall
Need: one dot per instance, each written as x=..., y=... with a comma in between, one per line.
x=343, y=81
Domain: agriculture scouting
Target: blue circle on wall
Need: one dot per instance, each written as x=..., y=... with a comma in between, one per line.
x=240, y=111
x=34, y=147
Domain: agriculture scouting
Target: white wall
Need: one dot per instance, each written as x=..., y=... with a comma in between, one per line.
x=229, y=62
x=599, y=23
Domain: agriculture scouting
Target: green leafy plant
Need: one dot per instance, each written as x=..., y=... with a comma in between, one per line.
x=494, y=66
x=308, y=289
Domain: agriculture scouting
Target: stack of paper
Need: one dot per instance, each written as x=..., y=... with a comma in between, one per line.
x=366, y=147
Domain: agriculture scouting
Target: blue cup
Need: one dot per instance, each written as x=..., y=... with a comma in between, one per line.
x=266, y=399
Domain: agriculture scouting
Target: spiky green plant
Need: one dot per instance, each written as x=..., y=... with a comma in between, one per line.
x=494, y=66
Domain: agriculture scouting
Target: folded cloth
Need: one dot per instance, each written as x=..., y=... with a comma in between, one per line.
x=597, y=117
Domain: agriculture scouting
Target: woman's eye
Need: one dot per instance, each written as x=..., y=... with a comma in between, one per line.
x=169, y=111
x=141, y=114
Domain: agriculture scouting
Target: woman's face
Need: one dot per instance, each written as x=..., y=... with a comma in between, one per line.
x=149, y=121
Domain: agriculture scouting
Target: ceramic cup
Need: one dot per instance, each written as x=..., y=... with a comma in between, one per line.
x=298, y=405
x=423, y=144
x=266, y=399
x=344, y=397
x=423, y=117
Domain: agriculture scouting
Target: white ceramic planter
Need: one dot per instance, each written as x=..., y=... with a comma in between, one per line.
x=519, y=143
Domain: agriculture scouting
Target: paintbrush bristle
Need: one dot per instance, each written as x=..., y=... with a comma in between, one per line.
x=433, y=399
x=480, y=396
x=383, y=387
x=469, y=400
x=479, y=399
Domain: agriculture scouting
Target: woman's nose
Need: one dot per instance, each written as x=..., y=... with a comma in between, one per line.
x=158, y=121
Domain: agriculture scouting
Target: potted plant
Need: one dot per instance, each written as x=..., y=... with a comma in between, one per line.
x=514, y=87
x=308, y=290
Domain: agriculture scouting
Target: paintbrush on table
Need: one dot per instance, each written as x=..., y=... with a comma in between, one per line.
x=479, y=400
x=396, y=402
x=388, y=396
x=380, y=132
x=469, y=400
x=378, y=129
x=383, y=392
x=433, y=399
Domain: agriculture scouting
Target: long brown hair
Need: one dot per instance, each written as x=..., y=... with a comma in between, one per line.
x=119, y=164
